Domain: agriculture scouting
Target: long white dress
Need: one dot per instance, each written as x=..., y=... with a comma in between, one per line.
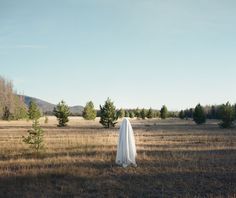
x=126, y=149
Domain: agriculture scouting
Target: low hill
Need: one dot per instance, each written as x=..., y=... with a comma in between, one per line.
x=47, y=108
x=77, y=110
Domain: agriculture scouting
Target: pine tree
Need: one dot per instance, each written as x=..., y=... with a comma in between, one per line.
x=181, y=114
x=143, y=114
x=126, y=113
x=131, y=114
x=33, y=112
x=108, y=114
x=157, y=114
x=227, y=115
x=164, y=112
x=199, y=115
x=150, y=113
x=35, y=137
x=62, y=111
x=191, y=110
x=212, y=112
x=89, y=112
x=235, y=111
x=137, y=113
x=121, y=113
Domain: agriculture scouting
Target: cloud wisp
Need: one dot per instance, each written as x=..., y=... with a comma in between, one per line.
x=25, y=46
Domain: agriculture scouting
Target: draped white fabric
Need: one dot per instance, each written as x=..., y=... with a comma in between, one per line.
x=126, y=149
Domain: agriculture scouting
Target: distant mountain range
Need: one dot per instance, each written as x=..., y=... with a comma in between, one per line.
x=47, y=108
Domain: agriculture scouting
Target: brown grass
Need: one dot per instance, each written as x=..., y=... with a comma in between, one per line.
x=175, y=159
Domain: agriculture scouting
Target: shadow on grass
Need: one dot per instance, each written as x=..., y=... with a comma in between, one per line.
x=122, y=183
x=94, y=151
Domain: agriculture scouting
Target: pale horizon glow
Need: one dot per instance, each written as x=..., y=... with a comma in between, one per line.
x=142, y=53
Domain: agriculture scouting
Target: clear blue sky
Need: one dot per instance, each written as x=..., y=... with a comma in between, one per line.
x=140, y=53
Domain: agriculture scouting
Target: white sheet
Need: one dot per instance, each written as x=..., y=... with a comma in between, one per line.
x=126, y=149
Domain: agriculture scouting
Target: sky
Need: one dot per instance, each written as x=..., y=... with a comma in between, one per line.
x=139, y=53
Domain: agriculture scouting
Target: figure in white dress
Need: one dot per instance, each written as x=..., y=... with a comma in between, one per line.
x=126, y=149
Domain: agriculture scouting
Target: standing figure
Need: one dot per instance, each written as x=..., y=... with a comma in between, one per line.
x=126, y=149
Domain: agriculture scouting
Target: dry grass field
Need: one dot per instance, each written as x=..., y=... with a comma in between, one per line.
x=175, y=159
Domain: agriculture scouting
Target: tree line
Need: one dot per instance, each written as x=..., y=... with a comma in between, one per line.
x=109, y=116
x=12, y=106
x=224, y=112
